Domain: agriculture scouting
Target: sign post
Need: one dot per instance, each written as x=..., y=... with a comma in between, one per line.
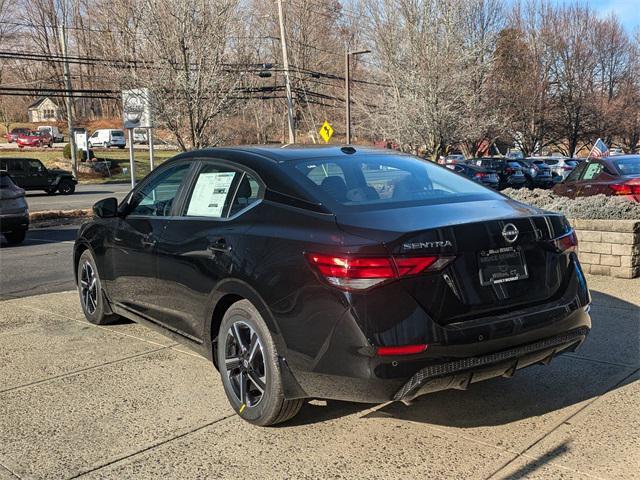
x=136, y=113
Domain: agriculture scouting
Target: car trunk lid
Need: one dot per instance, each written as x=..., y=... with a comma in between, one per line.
x=481, y=238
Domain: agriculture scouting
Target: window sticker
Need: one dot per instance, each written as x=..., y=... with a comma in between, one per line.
x=210, y=193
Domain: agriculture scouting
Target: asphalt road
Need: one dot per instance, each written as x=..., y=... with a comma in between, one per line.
x=84, y=197
x=42, y=264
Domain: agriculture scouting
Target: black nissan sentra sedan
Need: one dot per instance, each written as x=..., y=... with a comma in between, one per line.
x=341, y=273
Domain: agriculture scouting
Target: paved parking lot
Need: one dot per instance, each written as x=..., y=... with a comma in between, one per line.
x=121, y=401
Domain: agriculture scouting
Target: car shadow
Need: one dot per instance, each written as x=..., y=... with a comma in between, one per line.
x=538, y=390
x=42, y=237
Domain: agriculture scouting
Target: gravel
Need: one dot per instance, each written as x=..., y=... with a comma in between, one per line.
x=594, y=207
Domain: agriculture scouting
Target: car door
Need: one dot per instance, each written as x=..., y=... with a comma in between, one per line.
x=569, y=186
x=36, y=176
x=93, y=139
x=585, y=185
x=132, y=284
x=200, y=248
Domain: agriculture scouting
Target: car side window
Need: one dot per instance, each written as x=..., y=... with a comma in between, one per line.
x=247, y=192
x=592, y=171
x=575, y=173
x=156, y=197
x=35, y=166
x=212, y=191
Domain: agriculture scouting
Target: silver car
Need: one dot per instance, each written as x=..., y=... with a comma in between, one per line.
x=561, y=167
x=14, y=212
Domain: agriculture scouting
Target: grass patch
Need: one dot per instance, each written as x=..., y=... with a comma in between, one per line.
x=49, y=157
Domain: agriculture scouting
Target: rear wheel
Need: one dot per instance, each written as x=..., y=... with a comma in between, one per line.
x=90, y=290
x=66, y=187
x=249, y=367
x=16, y=237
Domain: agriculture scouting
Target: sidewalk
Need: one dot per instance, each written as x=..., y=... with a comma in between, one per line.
x=122, y=401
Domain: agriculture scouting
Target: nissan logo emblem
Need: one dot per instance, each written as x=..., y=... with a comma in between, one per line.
x=510, y=232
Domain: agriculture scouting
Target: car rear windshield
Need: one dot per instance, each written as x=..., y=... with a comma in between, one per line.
x=571, y=163
x=117, y=133
x=383, y=181
x=5, y=181
x=628, y=165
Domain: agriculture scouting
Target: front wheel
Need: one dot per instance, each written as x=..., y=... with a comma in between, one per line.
x=90, y=290
x=66, y=187
x=248, y=362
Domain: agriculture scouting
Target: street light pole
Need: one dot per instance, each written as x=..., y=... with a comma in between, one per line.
x=347, y=89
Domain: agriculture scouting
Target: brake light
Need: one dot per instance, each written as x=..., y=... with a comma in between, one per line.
x=566, y=243
x=361, y=273
x=481, y=175
x=509, y=170
x=625, y=188
x=401, y=350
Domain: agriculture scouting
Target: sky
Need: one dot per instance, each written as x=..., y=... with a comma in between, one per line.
x=628, y=11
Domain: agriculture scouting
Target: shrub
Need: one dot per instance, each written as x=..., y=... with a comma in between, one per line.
x=80, y=154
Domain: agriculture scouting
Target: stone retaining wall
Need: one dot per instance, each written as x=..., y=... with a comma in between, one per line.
x=609, y=247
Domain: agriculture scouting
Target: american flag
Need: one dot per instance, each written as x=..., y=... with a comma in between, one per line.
x=599, y=149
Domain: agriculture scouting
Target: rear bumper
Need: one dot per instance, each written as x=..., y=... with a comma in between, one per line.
x=458, y=353
x=13, y=222
x=460, y=374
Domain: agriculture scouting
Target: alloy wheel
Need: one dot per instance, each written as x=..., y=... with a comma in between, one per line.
x=89, y=288
x=244, y=364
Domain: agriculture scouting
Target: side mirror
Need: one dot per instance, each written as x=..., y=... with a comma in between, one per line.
x=107, y=208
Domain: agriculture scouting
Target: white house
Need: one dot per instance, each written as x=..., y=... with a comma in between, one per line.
x=44, y=110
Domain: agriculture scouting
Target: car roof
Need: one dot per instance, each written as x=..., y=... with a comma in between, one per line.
x=290, y=152
x=265, y=161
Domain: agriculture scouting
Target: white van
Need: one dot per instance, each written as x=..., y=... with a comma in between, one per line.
x=107, y=137
x=53, y=131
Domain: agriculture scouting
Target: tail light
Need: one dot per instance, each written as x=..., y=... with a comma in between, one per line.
x=566, y=168
x=509, y=170
x=566, y=243
x=481, y=175
x=401, y=350
x=625, y=188
x=361, y=273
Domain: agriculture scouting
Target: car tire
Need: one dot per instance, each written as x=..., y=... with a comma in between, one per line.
x=16, y=237
x=90, y=290
x=250, y=369
x=66, y=187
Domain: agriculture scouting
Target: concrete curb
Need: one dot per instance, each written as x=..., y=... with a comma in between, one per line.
x=36, y=217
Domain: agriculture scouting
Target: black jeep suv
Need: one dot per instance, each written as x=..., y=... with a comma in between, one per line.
x=31, y=174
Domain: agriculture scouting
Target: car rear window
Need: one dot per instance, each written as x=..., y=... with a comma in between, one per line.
x=628, y=165
x=5, y=181
x=117, y=133
x=571, y=163
x=383, y=181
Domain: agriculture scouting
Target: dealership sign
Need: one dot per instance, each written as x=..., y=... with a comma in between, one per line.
x=136, y=108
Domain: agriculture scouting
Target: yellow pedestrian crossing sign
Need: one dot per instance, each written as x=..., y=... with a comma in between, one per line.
x=326, y=131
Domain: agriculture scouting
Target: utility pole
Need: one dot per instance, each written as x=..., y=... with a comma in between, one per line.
x=287, y=81
x=347, y=88
x=69, y=97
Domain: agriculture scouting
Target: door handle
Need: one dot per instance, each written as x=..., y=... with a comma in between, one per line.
x=219, y=246
x=588, y=186
x=148, y=241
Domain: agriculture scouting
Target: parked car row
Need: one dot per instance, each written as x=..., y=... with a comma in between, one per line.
x=44, y=135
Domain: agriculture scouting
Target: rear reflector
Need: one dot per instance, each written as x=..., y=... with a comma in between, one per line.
x=360, y=273
x=401, y=350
